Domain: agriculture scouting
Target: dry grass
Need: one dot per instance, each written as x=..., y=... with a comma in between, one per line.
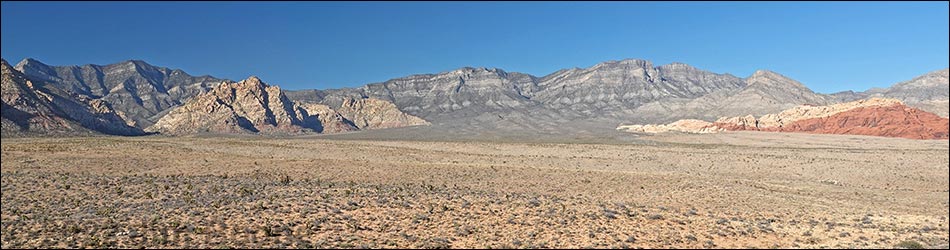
x=246, y=192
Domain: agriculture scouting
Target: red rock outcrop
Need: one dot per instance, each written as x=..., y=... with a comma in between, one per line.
x=897, y=120
x=875, y=117
x=891, y=121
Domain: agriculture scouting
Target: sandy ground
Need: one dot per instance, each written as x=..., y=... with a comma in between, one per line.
x=747, y=189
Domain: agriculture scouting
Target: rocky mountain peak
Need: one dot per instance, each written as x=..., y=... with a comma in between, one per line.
x=30, y=108
x=770, y=78
x=625, y=63
x=681, y=70
x=928, y=92
x=138, y=64
x=253, y=106
x=620, y=72
x=140, y=91
x=940, y=73
x=931, y=79
x=253, y=80
x=30, y=60
x=32, y=67
x=480, y=72
x=26, y=110
x=767, y=74
x=251, y=83
x=248, y=106
x=677, y=66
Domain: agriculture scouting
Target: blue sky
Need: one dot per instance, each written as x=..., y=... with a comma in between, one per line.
x=297, y=45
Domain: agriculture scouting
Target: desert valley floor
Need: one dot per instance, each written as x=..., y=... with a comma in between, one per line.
x=738, y=189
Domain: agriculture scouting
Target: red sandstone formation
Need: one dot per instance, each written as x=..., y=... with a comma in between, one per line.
x=892, y=121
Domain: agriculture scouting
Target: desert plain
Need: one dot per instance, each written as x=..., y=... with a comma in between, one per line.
x=728, y=190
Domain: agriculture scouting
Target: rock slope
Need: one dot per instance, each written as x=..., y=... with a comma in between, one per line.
x=24, y=110
x=611, y=92
x=447, y=95
x=685, y=125
x=626, y=84
x=371, y=113
x=253, y=107
x=891, y=121
x=37, y=108
x=327, y=119
x=138, y=90
x=761, y=93
x=249, y=106
x=483, y=100
x=929, y=92
x=875, y=116
x=804, y=112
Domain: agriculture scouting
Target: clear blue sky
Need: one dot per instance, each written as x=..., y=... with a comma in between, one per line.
x=827, y=46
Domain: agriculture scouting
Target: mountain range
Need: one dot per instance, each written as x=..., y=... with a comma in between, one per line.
x=41, y=108
x=928, y=92
x=145, y=98
x=137, y=89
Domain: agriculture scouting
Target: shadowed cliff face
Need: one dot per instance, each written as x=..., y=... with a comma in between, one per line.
x=137, y=89
x=24, y=110
x=37, y=108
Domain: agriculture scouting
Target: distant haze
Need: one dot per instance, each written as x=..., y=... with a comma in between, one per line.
x=829, y=47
